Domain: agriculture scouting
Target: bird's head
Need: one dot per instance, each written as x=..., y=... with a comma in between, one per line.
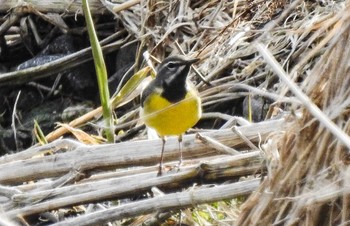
x=173, y=71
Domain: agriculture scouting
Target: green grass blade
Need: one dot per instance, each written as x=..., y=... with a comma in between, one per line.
x=101, y=73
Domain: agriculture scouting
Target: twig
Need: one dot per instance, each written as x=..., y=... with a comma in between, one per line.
x=61, y=64
x=216, y=145
x=130, y=153
x=93, y=191
x=41, y=150
x=162, y=203
x=125, y=5
x=13, y=123
x=246, y=140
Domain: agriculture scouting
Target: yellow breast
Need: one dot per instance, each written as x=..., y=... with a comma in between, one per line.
x=171, y=118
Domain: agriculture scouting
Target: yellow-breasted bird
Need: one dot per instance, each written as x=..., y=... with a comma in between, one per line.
x=170, y=104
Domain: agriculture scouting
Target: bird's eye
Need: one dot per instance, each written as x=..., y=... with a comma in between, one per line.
x=171, y=65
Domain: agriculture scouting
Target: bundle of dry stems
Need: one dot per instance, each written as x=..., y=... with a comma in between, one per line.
x=294, y=163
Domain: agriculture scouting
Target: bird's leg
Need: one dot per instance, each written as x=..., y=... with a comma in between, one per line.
x=180, y=151
x=161, y=158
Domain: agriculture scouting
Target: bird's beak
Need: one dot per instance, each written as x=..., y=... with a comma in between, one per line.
x=192, y=61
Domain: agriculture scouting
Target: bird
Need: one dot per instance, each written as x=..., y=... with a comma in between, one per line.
x=170, y=104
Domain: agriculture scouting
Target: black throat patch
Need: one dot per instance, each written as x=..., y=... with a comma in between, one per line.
x=174, y=92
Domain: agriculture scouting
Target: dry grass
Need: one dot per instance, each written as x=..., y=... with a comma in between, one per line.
x=305, y=162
